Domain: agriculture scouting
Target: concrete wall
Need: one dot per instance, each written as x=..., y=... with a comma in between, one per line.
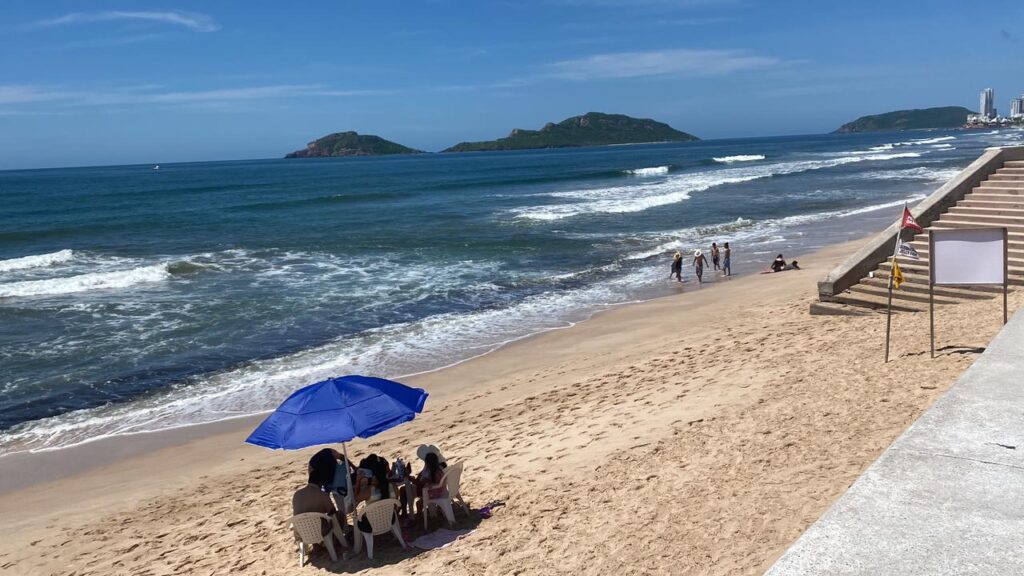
x=881, y=246
x=947, y=497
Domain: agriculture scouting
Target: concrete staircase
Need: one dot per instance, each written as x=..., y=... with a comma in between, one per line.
x=998, y=201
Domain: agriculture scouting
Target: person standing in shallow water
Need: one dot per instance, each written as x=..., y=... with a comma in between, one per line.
x=677, y=267
x=715, y=256
x=727, y=260
x=699, y=261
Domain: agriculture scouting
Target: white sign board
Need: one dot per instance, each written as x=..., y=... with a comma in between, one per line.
x=968, y=256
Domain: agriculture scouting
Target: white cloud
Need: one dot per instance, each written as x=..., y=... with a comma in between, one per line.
x=151, y=94
x=192, y=20
x=676, y=62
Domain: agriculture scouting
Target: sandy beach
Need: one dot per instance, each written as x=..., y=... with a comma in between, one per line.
x=693, y=434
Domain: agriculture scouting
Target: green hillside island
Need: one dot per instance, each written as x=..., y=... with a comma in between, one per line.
x=591, y=129
x=350, y=144
x=941, y=117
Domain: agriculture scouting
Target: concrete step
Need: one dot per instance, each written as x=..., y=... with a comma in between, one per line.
x=1005, y=176
x=1010, y=170
x=920, y=286
x=875, y=302
x=1002, y=186
x=995, y=220
x=1013, y=164
x=920, y=268
x=862, y=289
x=1015, y=258
x=994, y=196
x=1006, y=213
x=973, y=202
x=1016, y=231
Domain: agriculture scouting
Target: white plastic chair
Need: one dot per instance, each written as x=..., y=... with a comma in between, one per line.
x=308, y=529
x=450, y=482
x=383, y=518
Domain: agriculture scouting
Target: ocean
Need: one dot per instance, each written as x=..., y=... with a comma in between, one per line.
x=134, y=299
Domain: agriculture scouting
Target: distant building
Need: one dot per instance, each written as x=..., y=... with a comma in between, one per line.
x=1017, y=108
x=987, y=104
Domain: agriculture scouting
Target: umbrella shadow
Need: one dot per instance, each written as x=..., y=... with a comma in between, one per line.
x=386, y=549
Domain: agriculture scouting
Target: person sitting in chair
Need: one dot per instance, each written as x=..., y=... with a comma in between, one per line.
x=312, y=498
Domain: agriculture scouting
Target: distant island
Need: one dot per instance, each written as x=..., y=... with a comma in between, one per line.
x=351, y=144
x=941, y=117
x=590, y=129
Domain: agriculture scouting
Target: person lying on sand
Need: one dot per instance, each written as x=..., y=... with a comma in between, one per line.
x=779, y=265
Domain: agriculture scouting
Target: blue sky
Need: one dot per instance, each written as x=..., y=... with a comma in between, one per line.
x=85, y=83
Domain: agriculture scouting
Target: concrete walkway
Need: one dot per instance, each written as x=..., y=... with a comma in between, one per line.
x=947, y=497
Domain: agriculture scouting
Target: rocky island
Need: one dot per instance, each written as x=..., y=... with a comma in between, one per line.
x=590, y=129
x=351, y=144
x=941, y=117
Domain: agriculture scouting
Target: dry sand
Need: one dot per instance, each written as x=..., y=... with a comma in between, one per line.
x=693, y=434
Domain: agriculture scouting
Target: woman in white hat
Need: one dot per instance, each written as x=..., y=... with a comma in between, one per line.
x=433, y=470
x=699, y=261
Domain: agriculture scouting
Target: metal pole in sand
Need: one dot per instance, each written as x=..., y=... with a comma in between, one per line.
x=892, y=262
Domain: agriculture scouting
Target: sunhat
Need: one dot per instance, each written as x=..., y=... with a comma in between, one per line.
x=697, y=253
x=425, y=449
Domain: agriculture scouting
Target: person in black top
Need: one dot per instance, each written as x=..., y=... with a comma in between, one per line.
x=779, y=264
x=677, y=267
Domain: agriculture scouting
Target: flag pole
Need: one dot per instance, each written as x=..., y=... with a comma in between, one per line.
x=892, y=262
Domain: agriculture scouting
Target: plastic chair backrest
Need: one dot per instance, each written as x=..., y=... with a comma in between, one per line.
x=380, y=515
x=453, y=476
x=309, y=527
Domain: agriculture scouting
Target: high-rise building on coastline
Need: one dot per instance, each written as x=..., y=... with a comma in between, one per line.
x=987, y=105
x=988, y=114
x=1017, y=108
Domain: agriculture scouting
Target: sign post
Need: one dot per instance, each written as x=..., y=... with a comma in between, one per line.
x=966, y=257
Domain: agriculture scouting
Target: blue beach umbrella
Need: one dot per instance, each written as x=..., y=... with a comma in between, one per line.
x=336, y=411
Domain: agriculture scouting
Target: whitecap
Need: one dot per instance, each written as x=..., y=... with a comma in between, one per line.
x=652, y=171
x=85, y=282
x=674, y=189
x=36, y=260
x=739, y=158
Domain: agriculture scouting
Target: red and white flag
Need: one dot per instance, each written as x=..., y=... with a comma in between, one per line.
x=909, y=222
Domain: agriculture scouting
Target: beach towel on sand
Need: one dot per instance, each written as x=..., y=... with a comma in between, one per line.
x=439, y=538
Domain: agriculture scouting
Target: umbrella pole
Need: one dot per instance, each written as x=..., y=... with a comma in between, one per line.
x=348, y=480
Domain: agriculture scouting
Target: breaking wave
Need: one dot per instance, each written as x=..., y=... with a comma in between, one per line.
x=739, y=158
x=633, y=198
x=36, y=260
x=653, y=171
x=85, y=282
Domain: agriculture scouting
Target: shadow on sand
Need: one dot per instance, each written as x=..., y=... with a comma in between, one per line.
x=386, y=550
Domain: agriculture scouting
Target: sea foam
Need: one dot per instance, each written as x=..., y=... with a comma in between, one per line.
x=674, y=189
x=652, y=171
x=739, y=158
x=85, y=282
x=36, y=260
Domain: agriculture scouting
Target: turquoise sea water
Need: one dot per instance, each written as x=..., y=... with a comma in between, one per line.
x=135, y=299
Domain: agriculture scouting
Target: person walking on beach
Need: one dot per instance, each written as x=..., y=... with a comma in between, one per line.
x=699, y=261
x=714, y=256
x=727, y=261
x=677, y=267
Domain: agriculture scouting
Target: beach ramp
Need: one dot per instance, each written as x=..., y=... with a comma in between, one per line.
x=989, y=192
x=947, y=497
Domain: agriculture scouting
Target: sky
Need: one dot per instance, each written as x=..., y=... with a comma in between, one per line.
x=100, y=83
